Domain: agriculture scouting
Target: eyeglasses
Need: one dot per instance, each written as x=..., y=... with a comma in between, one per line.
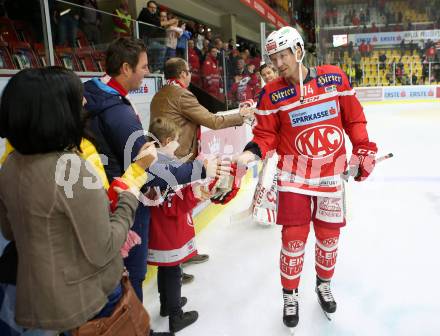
x=152, y=7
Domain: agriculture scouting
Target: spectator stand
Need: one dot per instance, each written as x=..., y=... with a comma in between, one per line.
x=414, y=62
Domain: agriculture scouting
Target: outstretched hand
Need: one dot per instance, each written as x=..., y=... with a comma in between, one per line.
x=116, y=187
x=216, y=167
x=147, y=155
x=227, y=187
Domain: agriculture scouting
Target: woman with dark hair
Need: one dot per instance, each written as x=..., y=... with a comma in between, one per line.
x=53, y=205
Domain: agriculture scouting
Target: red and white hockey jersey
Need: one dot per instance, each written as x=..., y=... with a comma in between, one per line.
x=308, y=136
x=171, y=238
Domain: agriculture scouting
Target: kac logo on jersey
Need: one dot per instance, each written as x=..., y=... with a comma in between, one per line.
x=320, y=141
x=282, y=94
x=329, y=79
x=314, y=114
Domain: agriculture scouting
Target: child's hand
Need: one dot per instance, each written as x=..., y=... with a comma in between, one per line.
x=116, y=187
x=217, y=168
x=222, y=194
x=147, y=155
x=202, y=192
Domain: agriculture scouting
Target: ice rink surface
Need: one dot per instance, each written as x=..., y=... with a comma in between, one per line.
x=387, y=275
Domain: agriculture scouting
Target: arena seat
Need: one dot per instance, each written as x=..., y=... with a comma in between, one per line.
x=24, y=31
x=86, y=60
x=81, y=40
x=99, y=58
x=23, y=55
x=67, y=58
x=40, y=52
x=5, y=57
x=7, y=30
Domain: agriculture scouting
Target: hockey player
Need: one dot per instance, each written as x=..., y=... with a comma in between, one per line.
x=302, y=115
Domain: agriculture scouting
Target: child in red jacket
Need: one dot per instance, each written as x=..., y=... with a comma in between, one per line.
x=171, y=238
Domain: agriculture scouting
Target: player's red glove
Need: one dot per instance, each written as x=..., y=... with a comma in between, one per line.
x=226, y=194
x=363, y=160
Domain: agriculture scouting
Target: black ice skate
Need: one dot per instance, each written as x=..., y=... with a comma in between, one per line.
x=325, y=297
x=164, y=311
x=181, y=320
x=153, y=333
x=291, y=309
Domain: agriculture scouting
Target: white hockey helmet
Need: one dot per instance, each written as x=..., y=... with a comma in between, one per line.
x=283, y=38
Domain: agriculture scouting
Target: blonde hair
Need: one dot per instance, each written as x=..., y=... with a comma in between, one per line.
x=163, y=128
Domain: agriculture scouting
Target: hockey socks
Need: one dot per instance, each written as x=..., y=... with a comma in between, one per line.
x=326, y=251
x=292, y=254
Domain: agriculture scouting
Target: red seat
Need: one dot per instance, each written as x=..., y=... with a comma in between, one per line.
x=7, y=31
x=24, y=31
x=5, y=57
x=81, y=40
x=99, y=58
x=40, y=52
x=23, y=55
x=67, y=58
x=85, y=59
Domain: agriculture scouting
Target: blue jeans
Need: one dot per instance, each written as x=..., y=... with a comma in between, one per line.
x=67, y=30
x=136, y=262
x=113, y=299
x=170, y=53
x=8, y=326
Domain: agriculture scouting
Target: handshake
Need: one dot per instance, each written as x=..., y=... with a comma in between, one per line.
x=247, y=111
x=226, y=179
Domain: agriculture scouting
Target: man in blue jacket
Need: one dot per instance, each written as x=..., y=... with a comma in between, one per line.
x=118, y=133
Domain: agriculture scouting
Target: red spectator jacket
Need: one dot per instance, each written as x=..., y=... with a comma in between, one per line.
x=194, y=63
x=245, y=89
x=211, y=75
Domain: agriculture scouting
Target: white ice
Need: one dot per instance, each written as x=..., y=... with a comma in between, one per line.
x=387, y=275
